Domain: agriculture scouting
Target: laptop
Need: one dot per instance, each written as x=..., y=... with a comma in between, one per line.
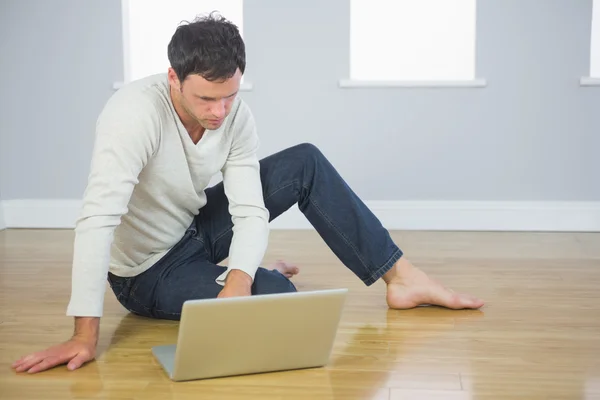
x=253, y=334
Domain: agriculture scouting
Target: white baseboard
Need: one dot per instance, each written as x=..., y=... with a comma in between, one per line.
x=50, y=214
x=2, y=223
x=395, y=215
x=473, y=216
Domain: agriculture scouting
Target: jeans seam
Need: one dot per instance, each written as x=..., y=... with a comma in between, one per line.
x=134, y=288
x=203, y=241
x=168, y=313
x=222, y=234
x=295, y=181
x=135, y=300
x=132, y=296
x=338, y=231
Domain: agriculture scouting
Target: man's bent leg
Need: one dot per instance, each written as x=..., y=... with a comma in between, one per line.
x=302, y=175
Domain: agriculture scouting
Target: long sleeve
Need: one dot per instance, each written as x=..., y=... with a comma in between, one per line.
x=243, y=188
x=126, y=136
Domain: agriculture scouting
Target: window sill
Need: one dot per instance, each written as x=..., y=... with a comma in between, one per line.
x=589, y=81
x=475, y=83
x=244, y=87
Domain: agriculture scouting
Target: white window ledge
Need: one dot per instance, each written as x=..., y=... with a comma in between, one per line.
x=474, y=83
x=589, y=81
x=244, y=87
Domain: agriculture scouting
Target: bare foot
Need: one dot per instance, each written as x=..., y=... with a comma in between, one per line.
x=286, y=269
x=409, y=287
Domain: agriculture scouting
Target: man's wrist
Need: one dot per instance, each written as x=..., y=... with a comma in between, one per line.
x=238, y=276
x=87, y=329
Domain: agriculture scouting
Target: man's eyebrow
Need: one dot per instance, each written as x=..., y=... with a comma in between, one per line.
x=213, y=98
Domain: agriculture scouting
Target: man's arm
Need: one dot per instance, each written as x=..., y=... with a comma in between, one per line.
x=250, y=217
x=126, y=137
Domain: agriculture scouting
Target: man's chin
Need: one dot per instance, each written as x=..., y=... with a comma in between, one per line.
x=213, y=124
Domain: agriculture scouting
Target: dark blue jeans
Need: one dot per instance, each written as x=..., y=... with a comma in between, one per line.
x=299, y=175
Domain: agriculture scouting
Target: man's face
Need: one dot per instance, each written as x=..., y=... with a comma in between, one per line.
x=208, y=103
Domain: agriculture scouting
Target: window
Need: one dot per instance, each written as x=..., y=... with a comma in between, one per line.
x=595, y=41
x=149, y=24
x=412, y=40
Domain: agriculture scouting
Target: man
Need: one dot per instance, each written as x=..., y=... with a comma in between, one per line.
x=152, y=227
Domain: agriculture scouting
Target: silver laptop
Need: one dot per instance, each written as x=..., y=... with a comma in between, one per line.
x=253, y=334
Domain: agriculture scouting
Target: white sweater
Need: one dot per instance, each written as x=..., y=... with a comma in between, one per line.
x=147, y=183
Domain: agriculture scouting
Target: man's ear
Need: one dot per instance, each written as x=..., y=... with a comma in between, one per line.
x=173, y=79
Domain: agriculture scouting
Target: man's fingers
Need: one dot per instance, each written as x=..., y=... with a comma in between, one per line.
x=29, y=361
x=42, y=361
x=26, y=358
x=19, y=362
x=73, y=352
x=46, y=363
x=78, y=361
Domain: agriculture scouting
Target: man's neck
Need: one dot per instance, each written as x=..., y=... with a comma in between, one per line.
x=197, y=134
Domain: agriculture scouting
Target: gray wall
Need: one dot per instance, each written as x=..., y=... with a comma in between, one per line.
x=531, y=134
x=59, y=59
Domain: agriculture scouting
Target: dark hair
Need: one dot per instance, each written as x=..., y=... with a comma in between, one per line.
x=210, y=46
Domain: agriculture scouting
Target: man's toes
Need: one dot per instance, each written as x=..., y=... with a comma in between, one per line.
x=466, y=301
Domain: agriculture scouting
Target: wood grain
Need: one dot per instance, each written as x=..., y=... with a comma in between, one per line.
x=538, y=337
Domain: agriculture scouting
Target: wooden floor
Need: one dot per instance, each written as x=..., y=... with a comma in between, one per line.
x=538, y=337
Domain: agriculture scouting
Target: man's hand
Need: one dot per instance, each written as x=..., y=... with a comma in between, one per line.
x=238, y=283
x=75, y=352
x=80, y=349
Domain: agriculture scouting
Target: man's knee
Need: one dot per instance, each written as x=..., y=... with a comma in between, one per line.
x=308, y=150
x=309, y=157
x=271, y=282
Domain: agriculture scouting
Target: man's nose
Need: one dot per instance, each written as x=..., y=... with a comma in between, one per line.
x=218, y=109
